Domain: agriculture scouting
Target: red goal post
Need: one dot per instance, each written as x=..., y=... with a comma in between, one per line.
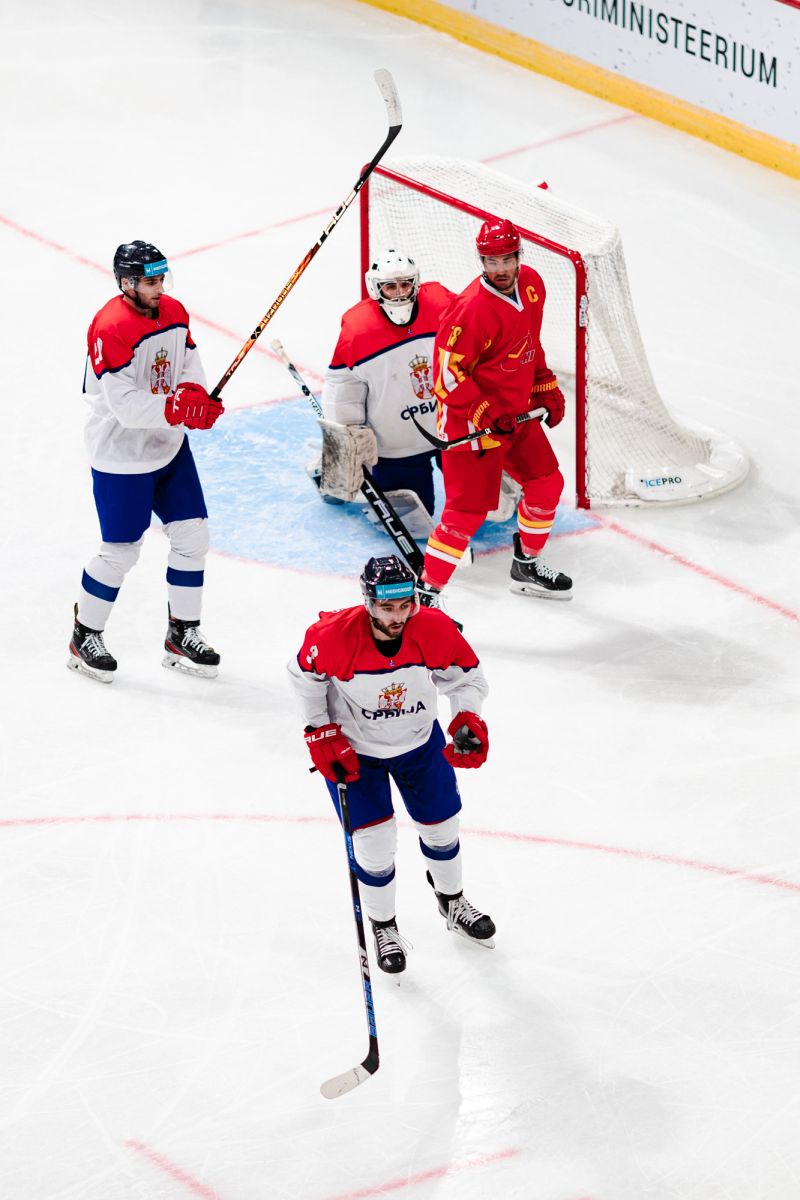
x=629, y=449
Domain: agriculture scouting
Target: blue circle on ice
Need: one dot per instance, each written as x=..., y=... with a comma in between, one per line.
x=262, y=505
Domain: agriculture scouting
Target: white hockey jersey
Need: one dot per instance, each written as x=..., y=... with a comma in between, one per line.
x=382, y=372
x=385, y=706
x=134, y=364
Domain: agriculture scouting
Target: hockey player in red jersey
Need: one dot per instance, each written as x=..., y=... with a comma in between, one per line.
x=368, y=679
x=145, y=387
x=381, y=374
x=490, y=367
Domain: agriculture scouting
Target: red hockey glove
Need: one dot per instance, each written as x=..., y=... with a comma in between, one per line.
x=192, y=406
x=481, y=416
x=328, y=748
x=547, y=394
x=470, y=743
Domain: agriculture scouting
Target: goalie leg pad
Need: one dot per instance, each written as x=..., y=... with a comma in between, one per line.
x=346, y=450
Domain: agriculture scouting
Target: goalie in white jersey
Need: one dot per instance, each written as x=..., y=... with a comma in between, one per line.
x=368, y=679
x=382, y=373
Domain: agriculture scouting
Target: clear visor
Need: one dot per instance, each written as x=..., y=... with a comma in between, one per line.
x=154, y=273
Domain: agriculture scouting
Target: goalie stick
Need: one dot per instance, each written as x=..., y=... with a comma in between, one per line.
x=443, y=444
x=339, y=1085
x=391, y=99
x=376, y=499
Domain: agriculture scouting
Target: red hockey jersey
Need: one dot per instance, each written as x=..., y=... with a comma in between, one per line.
x=381, y=373
x=134, y=364
x=488, y=345
x=384, y=706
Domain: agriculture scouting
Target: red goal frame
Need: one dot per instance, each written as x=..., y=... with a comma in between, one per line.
x=580, y=306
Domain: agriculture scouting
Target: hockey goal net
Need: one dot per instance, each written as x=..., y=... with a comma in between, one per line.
x=629, y=449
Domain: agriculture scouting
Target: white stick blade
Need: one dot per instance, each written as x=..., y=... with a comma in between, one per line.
x=340, y=1085
x=277, y=346
x=384, y=80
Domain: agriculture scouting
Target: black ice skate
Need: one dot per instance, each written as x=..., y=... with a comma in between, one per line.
x=463, y=918
x=532, y=577
x=188, y=651
x=390, y=948
x=431, y=597
x=88, y=653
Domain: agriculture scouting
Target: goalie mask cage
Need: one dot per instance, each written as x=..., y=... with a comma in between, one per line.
x=629, y=449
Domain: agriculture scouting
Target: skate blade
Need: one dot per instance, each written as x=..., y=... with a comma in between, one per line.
x=176, y=662
x=77, y=664
x=530, y=589
x=487, y=943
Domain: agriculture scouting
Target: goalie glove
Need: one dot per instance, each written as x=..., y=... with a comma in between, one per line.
x=346, y=450
x=470, y=743
x=546, y=392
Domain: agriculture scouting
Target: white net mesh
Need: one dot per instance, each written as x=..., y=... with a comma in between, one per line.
x=635, y=449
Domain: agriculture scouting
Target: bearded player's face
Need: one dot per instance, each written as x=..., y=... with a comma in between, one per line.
x=389, y=616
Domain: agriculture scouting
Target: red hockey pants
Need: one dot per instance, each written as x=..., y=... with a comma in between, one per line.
x=472, y=489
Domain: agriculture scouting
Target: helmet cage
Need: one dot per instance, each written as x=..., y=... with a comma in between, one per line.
x=390, y=266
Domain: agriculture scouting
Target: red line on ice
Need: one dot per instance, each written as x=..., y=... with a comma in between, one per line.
x=562, y=137
x=670, y=860
x=700, y=570
x=409, y=1181
x=196, y=318
x=175, y=1172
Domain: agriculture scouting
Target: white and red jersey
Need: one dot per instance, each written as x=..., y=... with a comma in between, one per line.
x=381, y=373
x=134, y=364
x=385, y=706
x=488, y=346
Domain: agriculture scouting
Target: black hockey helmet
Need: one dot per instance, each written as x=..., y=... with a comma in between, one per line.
x=387, y=579
x=134, y=260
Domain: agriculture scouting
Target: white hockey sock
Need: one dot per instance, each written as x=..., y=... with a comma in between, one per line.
x=379, y=902
x=102, y=579
x=185, y=567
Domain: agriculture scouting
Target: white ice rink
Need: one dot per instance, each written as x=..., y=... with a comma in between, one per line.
x=177, y=958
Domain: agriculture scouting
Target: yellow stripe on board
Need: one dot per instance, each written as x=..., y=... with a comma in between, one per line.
x=730, y=135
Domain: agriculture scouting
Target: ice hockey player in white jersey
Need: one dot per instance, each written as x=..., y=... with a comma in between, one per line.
x=368, y=679
x=145, y=387
x=382, y=372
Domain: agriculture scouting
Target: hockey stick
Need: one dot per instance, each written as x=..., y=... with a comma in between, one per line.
x=444, y=444
x=339, y=1085
x=391, y=99
x=377, y=501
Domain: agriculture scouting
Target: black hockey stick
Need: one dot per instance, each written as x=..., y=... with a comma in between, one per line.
x=373, y=495
x=388, y=91
x=443, y=444
x=339, y=1085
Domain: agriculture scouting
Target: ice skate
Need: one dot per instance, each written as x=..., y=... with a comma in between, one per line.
x=390, y=948
x=188, y=651
x=532, y=577
x=431, y=597
x=88, y=653
x=463, y=918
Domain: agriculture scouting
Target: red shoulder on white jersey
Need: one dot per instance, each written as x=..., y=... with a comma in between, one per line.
x=367, y=331
x=119, y=329
x=340, y=645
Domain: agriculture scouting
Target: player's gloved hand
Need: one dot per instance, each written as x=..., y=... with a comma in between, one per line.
x=192, y=406
x=470, y=743
x=329, y=748
x=546, y=393
x=482, y=416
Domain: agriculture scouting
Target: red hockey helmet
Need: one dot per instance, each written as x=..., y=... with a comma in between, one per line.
x=497, y=237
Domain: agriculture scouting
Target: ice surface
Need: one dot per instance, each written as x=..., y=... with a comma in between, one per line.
x=179, y=969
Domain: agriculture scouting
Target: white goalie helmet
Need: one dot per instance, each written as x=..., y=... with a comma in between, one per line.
x=391, y=266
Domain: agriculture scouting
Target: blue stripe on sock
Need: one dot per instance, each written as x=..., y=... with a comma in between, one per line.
x=185, y=578
x=440, y=854
x=374, y=880
x=101, y=590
